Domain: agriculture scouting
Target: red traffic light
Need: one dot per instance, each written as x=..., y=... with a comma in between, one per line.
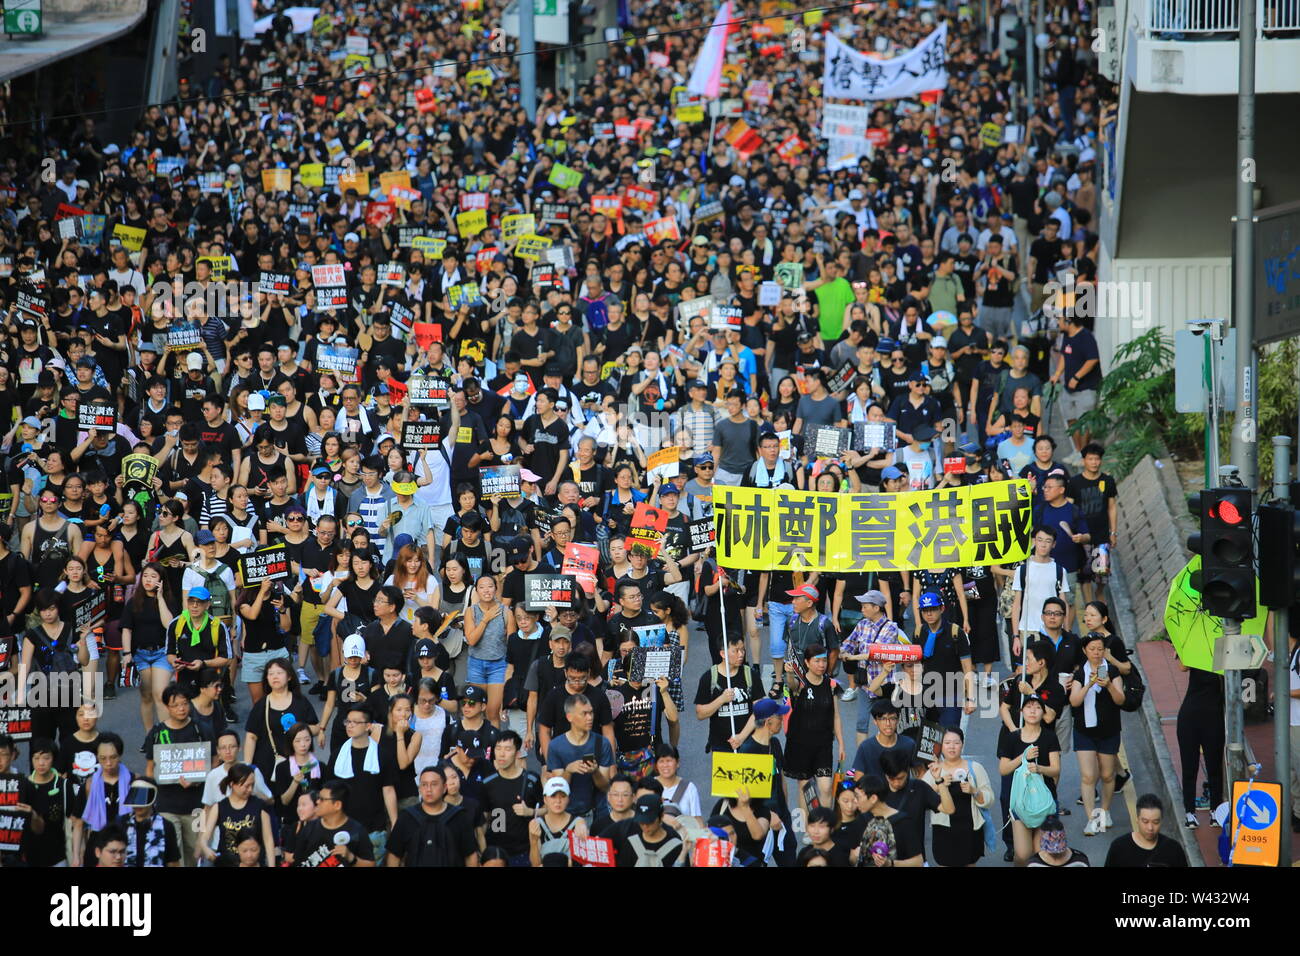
x=1227, y=512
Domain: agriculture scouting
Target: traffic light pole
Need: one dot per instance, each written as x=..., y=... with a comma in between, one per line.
x=1234, y=715
x=1281, y=660
x=528, y=57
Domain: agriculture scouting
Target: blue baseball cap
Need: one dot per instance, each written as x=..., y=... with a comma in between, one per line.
x=204, y=537
x=930, y=599
x=705, y=459
x=200, y=594
x=891, y=473
x=767, y=708
x=668, y=490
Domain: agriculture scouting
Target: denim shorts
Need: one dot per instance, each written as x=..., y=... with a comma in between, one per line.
x=253, y=666
x=1106, y=745
x=145, y=659
x=485, y=672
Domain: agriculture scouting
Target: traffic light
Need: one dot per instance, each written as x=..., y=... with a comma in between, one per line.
x=1279, y=565
x=1227, y=548
x=582, y=23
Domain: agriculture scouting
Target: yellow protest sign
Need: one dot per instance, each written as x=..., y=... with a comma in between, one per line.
x=312, y=174
x=431, y=246
x=220, y=265
x=479, y=77
x=754, y=772
x=396, y=177
x=812, y=17
x=277, y=180
x=991, y=135
x=517, y=226
x=355, y=180
x=471, y=223
x=975, y=525
x=354, y=59
x=131, y=237
x=531, y=247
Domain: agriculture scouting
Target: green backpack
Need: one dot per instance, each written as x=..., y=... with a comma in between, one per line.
x=217, y=588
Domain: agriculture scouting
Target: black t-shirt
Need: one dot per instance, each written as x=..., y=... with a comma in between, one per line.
x=913, y=800
x=1124, y=852
x=949, y=647
x=456, y=819
x=389, y=649
x=500, y=796
x=548, y=441
x=813, y=719
x=748, y=687
x=366, y=790
x=644, y=629
x=1013, y=745
x=316, y=844
x=1109, y=716
x=172, y=797
x=1092, y=496
x=550, y=712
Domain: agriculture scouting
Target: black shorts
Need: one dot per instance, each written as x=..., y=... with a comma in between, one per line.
x=807, y=759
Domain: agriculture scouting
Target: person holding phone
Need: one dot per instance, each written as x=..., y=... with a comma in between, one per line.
x=1096, y=692
x=585, y=760
x=1032, y=743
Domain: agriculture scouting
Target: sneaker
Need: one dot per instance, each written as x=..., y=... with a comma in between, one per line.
x=231, y=716
x=1078, y=801
x=1009, y=856
x=318, y=689
x=1214, y=821
x=1096, y=824
x=778, y=689
x=850, y=693
x=302, y=676
x=1121, y=779
x=110, y=691
x=1191, y=822
x=1063, y=811
x=1109, y=821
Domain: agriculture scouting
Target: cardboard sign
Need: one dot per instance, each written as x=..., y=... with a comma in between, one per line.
x=331, y=284
x=90, y=612
x=422, y=435
x=340, y=360
x=16, y=722
x=648, y=664
x=518, y=225
x=471, y=223
x=391, y=274
x=929, y=744
x=580, y=563
x=91, y=415
x=264, y=564
x=665, y=463
x=647, y=529
x=826, y=441
x=499, y=481
x=139, y=470
x=428, y=391
x=549, y=590
x=954, y=466
x=426, y=333
x=730, y=772
x=641, y=198
x=430, y=246
x=354, y=180
x=662, y=230
x=220, y=265
x=173, y=763
x=70, y=228
x=532, y=247
x=769, y=293
x=868, y=435
x=402, y=318
x=712, y=852
x=591, y=851
x=275, y=283
x=725, y=317
x=550, y=212
x=312, y=174
x=703, y=534
x=688, y=309
x=564, y=177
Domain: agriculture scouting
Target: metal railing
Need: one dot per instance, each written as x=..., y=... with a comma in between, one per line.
x=1219, y=16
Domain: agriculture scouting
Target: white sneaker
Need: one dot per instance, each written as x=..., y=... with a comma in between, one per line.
x=850, y=693
x=303, y=678
x=1109, y=821
x=1096, y=823
x=1191, y=822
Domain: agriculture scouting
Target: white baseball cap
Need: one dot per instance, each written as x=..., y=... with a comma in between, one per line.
x=556, y=785
x=194, y=361
x=354, y=646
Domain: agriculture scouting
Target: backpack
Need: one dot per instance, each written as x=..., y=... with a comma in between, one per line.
x=217, y=588
x=214, y=630
x=1031, y=800
x=716, y=680
x=433, y=844
x=1134, y=690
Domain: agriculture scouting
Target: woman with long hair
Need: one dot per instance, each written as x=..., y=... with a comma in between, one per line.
x=502, y=446
x=411, y=576
x=456, y=593
x=281, y=705
x=466, y=502
x=615, y=511
x=134, y=536
x=430, y=720
x=1034, y=744
x=958, y=838
x=239, y=813
x=676, y=621
x=266, y=617
x=298, y=773
x=487, y=622
x=109, y=567
x=351, y=601
x=145, y=619
x=171, y=546
x=399, y=744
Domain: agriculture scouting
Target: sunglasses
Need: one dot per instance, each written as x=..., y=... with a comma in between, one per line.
x=704, y=467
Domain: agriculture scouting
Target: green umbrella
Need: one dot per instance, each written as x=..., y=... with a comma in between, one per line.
x=1192, y=631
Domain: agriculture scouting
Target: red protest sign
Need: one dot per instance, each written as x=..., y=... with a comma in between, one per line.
x=877, y=136
x=580, y=561
x=64, y=211
x=424, y=101
x=648, y=526
x=483, y=259
x=592, y=851
x=396, y=391
x=380, y=214
x=710, y=851
x=426, y=333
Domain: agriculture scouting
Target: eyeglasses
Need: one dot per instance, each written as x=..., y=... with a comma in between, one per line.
x=294, y=518
x=1053, y=614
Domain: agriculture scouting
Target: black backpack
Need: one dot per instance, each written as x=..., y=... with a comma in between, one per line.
x=1134, y=691
x=433, y=844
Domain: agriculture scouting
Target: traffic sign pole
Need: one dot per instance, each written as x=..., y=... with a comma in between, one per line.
x=1281, y=660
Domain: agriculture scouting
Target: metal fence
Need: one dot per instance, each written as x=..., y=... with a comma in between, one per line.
x=1219, y=16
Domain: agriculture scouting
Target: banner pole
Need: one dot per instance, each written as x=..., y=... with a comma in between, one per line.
x=722, y=616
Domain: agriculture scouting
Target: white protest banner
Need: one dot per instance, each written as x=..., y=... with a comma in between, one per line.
x=839, y=120
x=850, y=75
x=331, y=283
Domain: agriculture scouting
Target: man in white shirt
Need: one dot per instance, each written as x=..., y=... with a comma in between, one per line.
x=1037, y=580
x=125, y=274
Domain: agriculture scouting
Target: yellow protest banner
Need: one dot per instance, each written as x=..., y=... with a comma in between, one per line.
x=431, y=246
x=812, y=17
x=991, y=135
x=975, y=525
x=312, y=174
x=131, y=237
x=754, y=772
x=396, y=177
x=277, y=180
x=220, y=265
x=518, y=225
x=355, y=59
x=531, y=247
x=355, y=180
x=471, y=223
x=479, y=77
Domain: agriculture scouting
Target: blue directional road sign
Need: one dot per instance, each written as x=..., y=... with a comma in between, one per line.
x=1256, y=810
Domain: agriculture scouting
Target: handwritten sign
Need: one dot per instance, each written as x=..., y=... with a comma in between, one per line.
x=549, y=590
x=665, y=463
x=730, y=772
x=131, y=238
x=430, y=246
x=92, y=415
x=421, y=436
x=173, y=763
x=564, y=177
x=277, y=180
x=471, y=223
x=651, y=663
x=264, y=564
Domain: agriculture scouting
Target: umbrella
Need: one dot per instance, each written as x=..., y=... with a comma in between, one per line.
x=1191, y=630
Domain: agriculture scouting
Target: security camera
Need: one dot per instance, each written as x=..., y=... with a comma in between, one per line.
x=1201, y=326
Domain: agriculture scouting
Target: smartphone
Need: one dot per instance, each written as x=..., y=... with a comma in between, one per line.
x=589, y=758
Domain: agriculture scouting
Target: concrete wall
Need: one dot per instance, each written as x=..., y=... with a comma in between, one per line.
x=73, y=10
